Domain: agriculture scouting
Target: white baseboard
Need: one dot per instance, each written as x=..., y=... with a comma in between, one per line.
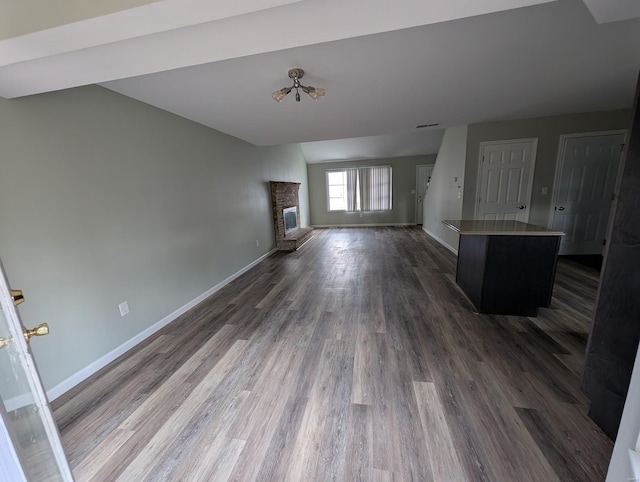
x=18, y=402
x=372, y=225
x=103, y=361
x=442, y=242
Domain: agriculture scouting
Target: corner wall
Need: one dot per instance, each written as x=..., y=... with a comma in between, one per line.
x=404, y=201
x=105, y=199
x=444, y=196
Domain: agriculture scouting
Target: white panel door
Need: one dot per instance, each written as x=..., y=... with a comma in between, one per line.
x=588, y=168
x=423, y=177
x=30, y=447
x=505, y=180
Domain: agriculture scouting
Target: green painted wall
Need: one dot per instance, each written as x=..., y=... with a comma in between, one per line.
x=105, y=199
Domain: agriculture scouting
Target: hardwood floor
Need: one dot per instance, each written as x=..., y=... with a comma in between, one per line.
x=356, y=358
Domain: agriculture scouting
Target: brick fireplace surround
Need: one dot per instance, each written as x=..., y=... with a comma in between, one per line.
x=285, y=195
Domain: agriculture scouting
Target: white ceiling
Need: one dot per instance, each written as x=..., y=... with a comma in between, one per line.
x=386, y=68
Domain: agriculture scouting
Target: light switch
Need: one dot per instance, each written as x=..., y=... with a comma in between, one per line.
x=544, y=191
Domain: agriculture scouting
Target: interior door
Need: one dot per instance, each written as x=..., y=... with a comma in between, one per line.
x=588, y=167
x=423, y=177
x=505, y=179
x=30, y=445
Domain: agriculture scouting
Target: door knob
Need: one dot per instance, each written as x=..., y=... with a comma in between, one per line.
x=561, y=208
x=40, y=330
x=4, y=342
x=522, y=206
x=17, y=297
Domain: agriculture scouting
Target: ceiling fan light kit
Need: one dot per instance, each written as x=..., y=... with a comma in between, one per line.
x=296, y=74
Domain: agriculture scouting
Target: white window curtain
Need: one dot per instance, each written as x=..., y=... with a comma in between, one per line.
x=359, y=189
x=352, y=190
x=375, y=188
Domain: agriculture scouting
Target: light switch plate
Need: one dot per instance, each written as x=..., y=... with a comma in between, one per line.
x=124, y=308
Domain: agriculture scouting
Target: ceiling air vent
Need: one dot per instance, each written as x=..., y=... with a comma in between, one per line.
x=422, y=126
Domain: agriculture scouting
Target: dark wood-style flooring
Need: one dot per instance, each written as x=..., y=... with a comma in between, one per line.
x=356, y=358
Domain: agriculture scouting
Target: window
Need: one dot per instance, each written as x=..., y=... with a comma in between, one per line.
x=360, y=189
x=337, y=190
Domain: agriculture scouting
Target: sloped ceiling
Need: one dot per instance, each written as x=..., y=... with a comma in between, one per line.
x=387, y=67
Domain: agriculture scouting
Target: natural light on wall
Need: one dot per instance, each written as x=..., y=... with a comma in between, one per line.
x=360, y=189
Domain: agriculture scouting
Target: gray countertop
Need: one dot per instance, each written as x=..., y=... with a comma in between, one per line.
x=504, y=228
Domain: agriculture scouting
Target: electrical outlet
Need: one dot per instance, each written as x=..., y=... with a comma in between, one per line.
x=124, y=308
x=544, y=191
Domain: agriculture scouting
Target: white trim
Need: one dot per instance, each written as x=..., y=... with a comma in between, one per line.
x=103, y=361
x=370, y=225
x=532, y=171
x=560, y=162
x=18, y=402
x=441, y=241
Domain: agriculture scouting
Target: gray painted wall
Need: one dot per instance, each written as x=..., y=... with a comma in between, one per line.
x=105, y=199
x=548, y=131
x=444, y=196
x=404, y=181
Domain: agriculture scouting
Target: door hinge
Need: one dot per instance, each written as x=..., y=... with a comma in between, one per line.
x=604, y=242
x=482, y=158
x=622, y=147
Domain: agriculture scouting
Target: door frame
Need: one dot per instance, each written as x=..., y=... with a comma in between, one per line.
x=560, y=163
x=532, y=170
x=14, y=459
x=415, y=210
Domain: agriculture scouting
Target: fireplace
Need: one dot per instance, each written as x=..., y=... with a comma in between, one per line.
x=290, y=216
x=286, y=216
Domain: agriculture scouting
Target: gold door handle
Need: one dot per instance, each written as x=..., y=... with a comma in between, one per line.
x=4, y=342
x=40, y=330
x=17, y=297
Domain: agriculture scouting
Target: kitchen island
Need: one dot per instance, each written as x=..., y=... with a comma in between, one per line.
x=506, y=267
